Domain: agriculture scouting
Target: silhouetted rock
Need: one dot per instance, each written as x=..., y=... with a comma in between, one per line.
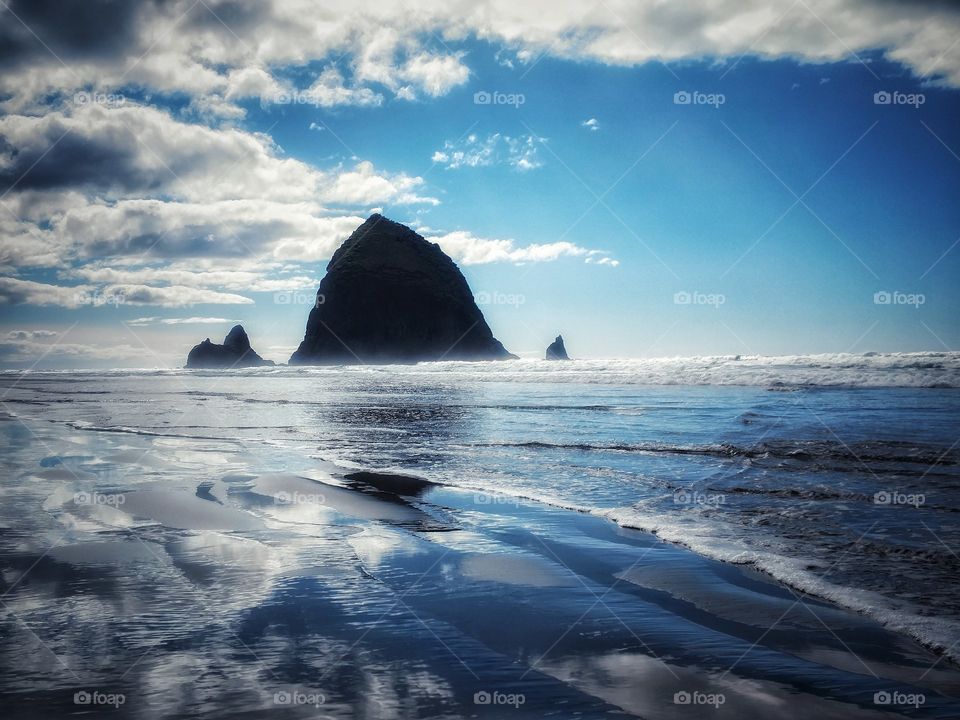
x=235, y=352
x=391, y=296
x=556, y=350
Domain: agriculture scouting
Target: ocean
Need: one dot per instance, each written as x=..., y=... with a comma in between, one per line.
x=595, y=538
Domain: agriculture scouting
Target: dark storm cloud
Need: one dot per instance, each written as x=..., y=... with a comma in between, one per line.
x=99, y=165
x=71, y=29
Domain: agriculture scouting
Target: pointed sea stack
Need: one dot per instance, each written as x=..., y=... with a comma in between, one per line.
x=235, y=352
x=391, y=296
x=556, y=350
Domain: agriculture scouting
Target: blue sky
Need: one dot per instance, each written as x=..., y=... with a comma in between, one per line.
x=785, y=209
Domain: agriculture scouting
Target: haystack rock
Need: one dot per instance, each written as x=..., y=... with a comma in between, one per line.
x=391, y=296
x=556, y=350
x=235, y=352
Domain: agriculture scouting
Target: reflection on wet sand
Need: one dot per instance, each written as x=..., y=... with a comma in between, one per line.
x=201, y=580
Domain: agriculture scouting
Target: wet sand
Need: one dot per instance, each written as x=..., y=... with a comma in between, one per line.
x=336, y=593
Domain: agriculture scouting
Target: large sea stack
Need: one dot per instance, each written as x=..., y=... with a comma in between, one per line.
x=235, y=352
x=391, y=296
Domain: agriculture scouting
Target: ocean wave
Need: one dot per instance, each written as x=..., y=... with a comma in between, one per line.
x=939, y=634
x=813, y=450
x=785, y=372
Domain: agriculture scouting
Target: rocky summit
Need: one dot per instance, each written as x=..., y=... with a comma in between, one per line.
x=235, y=352
x=389, y=296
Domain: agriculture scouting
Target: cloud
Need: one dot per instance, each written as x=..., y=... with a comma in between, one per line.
x=140, y=322
x=592, y=124
x=467, y=249
x=226, y=50
x=172, y=296
x=14, y=291
x=93, y=186
x=31, y=334
x=473, y=151
x=329, y=91
x=363, y=185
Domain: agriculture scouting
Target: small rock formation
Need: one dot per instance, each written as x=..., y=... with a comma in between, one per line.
x=235, y=352
x=389, y=295
x=556, y=350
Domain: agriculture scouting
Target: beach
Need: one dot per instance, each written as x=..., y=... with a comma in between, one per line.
x=483, y=540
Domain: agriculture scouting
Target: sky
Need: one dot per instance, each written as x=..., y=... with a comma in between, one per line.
x=649, y=179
